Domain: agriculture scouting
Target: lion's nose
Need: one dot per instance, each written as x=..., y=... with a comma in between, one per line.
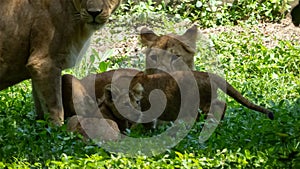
x=94, y=12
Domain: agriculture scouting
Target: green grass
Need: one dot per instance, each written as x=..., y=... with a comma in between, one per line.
x=211, y=13
x=267, y=76
x=245, y=138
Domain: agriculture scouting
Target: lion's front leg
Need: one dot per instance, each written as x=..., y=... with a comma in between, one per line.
x=46, y=80
x=37, y=104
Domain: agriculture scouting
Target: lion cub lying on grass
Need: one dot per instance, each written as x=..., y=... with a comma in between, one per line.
x=98, y=118
x=140, y=90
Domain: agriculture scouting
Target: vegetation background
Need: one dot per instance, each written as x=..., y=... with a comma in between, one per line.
x=252, y=43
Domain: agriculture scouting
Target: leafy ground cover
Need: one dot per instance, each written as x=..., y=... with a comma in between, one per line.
x=265, y=68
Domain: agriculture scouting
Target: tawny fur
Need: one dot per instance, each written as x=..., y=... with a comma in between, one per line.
x=40, y=38
x=89, y=89
x=207, y=84
x=169, y=52
x=84, y=107
x=99, y=129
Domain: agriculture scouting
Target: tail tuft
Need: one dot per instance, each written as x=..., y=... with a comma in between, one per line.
x=271, y=116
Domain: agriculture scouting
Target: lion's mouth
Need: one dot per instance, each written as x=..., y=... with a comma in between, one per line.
x=98, y=22
x=94, y=23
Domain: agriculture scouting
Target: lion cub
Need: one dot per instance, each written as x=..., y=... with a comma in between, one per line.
x=169, y=52
x=104, y=118
x=171, y=84
x=88, y=90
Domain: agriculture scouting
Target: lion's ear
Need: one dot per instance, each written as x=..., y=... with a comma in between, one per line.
x=110, y=91
x=190, y=38
x=191, y=33
x=137, y=91
x=148, y=37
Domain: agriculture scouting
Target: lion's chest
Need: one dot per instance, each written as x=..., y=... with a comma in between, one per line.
x=74, y=51
x=76, y=54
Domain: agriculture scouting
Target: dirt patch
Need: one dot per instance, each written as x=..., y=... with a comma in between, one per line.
x=124, y=42
x=272, y=32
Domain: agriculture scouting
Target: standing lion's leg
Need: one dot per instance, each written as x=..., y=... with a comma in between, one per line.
x=37, y=104
x=46, y=79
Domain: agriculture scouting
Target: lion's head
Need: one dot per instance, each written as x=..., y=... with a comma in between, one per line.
x=124, y=103
x=95, y=12
x=169, y=52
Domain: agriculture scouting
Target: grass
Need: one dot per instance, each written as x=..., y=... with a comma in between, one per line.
x=245, y=138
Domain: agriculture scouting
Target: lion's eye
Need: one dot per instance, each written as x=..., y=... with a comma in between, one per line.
x=153, y=57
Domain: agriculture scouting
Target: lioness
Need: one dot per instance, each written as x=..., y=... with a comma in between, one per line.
x=169, y=52
x=207, y=84
x=40, y=38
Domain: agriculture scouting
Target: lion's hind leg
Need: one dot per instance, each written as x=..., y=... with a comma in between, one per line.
x=214, y=116
x=217, y=109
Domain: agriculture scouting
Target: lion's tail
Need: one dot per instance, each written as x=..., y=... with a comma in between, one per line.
x=232, y=92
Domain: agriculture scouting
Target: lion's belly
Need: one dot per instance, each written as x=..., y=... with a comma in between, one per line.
x=12, y=67
x=13, y=57
x=12, y=73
